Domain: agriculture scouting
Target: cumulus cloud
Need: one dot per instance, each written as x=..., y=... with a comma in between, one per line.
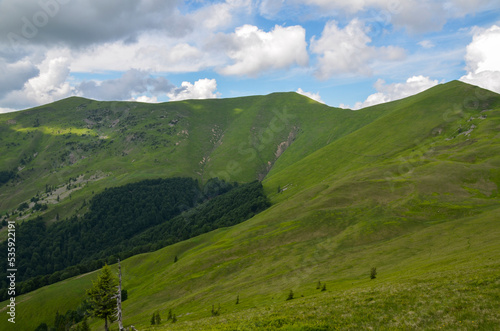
x=390, y=92
x=254, y=51
x=346, y=51
x=201, y=89
x=14, y=75
x=83, y=23
x=314, y=96
x=150, y=52
x=483, y=60
x=131, y=83
x=50, y=84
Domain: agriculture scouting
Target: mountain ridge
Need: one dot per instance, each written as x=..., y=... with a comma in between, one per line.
x=410, y=187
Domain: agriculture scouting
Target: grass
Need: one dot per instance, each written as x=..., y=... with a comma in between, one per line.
x=394, y=186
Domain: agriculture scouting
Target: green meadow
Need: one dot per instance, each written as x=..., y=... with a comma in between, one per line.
x=409, y=187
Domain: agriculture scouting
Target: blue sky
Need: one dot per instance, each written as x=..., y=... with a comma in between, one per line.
x=351, y=54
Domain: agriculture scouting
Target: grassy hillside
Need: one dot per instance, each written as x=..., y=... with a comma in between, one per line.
x=409, y=187
x=75, y=147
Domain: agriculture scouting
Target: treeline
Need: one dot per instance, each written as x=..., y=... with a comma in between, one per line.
x=126, y=221
x=224, y=210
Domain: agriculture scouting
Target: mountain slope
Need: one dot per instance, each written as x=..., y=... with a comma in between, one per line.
x=88, y=145
x=410, y=187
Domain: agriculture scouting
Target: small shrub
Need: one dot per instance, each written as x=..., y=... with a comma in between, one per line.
x=373, y=273
x=290, y=295
x=215, y=312
x=157, y=318
x=169, y=317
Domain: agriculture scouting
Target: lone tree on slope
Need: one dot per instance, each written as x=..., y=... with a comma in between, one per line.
x=102, y=296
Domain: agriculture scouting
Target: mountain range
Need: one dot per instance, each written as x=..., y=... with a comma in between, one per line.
x=409, y=187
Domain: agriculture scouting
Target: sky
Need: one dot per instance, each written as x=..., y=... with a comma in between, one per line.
x=349, y=54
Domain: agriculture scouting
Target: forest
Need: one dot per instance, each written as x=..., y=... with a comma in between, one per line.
x=125, y=221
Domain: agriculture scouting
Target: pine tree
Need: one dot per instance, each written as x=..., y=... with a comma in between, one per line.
x=175, y=259
x=102, y=296
x=318, y=286
x=290, y=295
x=169, y=317
x=153, y=319
x=238, y=299
x=373, y=273
x=157, y=318
x=323, y=289
x=174, y=318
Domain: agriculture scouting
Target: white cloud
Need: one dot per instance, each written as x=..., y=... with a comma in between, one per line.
x=49, y=85
x=314, y=96
x=14, y=75
x=269, y=8
x=201, y=89
x=132, y=82
x=483, y=60
x=220, y=15
x=145, y=98
x=254, y=50
x=151, y=53
x=6, y=110
x=426, y=44
x=346, y=51
x=390, y=92
x=416, y=16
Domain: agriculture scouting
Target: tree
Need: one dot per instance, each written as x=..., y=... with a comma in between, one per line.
x=153, y=319
x=102, y=296
x=238, y=299
x=169, y=317
x=290, y=295
x=323, y=289
x=215, y=312
x=373, y=273
x=85, y=325
x=42, y=327
x=318, y=286
x=158, y=318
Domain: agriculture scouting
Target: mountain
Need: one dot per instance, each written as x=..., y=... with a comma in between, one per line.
x=409, y=187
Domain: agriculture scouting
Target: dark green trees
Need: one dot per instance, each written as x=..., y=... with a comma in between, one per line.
x=156, y=318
